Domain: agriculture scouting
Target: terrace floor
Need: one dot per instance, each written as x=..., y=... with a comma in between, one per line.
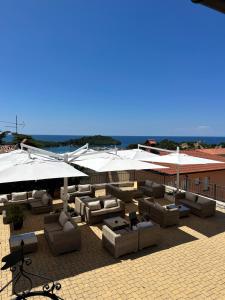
x=188, y=264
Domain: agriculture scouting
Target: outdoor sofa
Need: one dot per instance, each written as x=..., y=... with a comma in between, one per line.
x=98, y=209
x=27, y=198
x=62, y=233
x=78, y=190
x=127, y=240
x=125, y=193
x=151, y=188
x=158, y=213
x=199, y=205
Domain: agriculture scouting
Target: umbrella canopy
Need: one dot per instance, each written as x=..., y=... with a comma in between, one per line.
x=108, y=162
x=19, y=165
x=182, y=159
x=137, y=154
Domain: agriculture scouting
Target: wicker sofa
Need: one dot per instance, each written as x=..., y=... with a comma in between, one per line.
x=78, y=190
x=124, y=241
x=40, y=202
x=199, y=205
x=60, y=240
x=151, y=189
x=125, y=193
x=148, y=236
x=159, y=214
x=95, y=216
x=27, y=199
x=121, y=242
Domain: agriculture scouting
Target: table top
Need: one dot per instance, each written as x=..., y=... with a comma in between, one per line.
x=28, y=238
x=116, y=223
x=181, y=207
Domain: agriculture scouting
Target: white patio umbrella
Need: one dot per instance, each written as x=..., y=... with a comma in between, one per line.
x=175, y=157
x=136, y=154
x=182, y=159
x=108, y=162
x=20, y=165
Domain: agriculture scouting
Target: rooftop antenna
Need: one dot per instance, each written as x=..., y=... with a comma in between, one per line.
x=14, y=125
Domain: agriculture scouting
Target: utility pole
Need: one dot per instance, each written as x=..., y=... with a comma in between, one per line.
x=14, y=125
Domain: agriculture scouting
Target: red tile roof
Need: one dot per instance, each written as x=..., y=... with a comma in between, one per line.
x=213, y=151
x=184, y=169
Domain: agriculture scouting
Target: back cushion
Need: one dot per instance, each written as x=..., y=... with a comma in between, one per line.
x=190, y=196
x=71, y=189
x=3, y=198
x=84, y=188
x=37, y=194
x=19, y=196
x=148, y=183
x=63, y=218
x=68, y=226
x=159, y=207
x=203, y=200
x=156, y=184
x=110, y=203
x=94, y=205
x=45, y=199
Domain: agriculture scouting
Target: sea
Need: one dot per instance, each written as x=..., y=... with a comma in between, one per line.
x=126, y=140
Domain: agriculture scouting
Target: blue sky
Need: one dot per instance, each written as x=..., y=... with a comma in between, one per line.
x=116, y=67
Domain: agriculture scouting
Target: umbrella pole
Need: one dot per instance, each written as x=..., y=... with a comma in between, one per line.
x=65, y=201
x=178, y=170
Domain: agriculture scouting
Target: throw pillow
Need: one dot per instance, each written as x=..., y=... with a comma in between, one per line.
x=148, y=183
x=45, y=199
x=190, y=196
x=63, y=218
x=37, y=194
x=3, y=199
x=71, y=189
x=94, y=205
x=84, y=188
x=110, y=203
x=68, y=226
x=19, y=196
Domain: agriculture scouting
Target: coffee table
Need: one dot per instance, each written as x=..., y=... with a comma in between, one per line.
x=184, y=211
x=116, y=223
x=29, y=239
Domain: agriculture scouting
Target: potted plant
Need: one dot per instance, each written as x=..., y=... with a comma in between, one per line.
x=15, y=216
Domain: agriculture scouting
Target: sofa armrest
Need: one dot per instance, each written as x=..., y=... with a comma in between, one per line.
x=121, y=203
x=51, y=218
x=109, y=234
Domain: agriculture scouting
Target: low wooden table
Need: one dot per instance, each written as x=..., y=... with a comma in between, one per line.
x=184, y=211
x=116, y=223
x=29, y=239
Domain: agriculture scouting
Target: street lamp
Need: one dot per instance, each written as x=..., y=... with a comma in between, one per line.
x=214, y=4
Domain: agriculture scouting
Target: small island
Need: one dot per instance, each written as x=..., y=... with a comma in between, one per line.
x=96, y=141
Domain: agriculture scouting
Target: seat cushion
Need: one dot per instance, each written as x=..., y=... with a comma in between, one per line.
x=145, y=224
x=52, y=227
x=189, y=203
x=104, y=211
x=63, y=218
x=19, y=196
x=36, y=204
